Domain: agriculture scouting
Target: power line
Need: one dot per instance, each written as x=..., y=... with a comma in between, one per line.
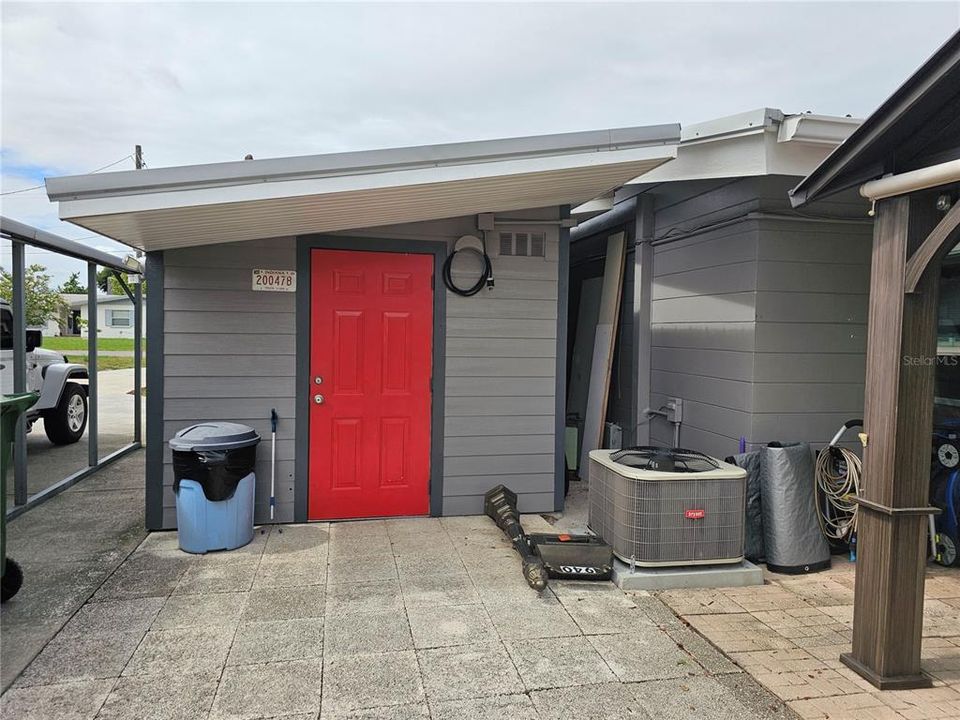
x=39, y=187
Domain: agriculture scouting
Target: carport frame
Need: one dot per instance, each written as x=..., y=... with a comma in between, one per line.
x=21, y=235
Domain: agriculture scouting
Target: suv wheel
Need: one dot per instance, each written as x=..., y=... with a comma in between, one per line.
x=67, y=421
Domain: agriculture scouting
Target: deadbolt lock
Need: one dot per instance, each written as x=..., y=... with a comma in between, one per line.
x=318, y=380
x=318, y=399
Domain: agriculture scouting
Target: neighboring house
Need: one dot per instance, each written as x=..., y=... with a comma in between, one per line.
x=752, y=313
x=396, y=396
x=65, y=321
x=115, y=316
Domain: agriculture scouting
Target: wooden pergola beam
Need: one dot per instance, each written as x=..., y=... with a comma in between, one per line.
x=898, y=419
x=938, y=243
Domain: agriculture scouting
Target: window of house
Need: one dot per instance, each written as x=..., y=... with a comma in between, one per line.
x=118, y=318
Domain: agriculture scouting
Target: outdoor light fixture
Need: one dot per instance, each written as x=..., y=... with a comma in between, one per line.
x=133, y=264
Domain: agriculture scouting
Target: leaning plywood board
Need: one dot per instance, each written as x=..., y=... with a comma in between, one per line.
x=585, y=335
x=604, y=340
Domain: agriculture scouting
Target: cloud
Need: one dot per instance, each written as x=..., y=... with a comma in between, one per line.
x=207, y=82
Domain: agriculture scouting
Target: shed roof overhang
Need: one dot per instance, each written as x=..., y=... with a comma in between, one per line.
x=208, y=204
x=916, y=127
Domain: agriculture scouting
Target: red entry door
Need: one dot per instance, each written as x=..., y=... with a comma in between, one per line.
x=371, y=342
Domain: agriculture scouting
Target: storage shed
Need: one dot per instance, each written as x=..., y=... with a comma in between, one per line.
x=315, y=286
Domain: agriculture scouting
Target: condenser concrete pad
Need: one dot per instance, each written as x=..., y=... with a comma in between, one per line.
x=740, y=574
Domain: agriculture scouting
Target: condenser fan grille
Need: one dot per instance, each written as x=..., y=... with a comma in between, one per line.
x=646, y=457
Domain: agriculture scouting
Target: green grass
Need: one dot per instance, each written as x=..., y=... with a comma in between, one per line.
x=107, y=363
x=80, y=343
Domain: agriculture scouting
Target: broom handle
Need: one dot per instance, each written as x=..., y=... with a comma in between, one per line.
x=273, y=460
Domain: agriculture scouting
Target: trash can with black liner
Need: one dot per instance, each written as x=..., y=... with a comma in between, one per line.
x=214, y=484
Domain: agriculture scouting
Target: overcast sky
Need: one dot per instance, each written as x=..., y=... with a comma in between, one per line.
x=196, y=83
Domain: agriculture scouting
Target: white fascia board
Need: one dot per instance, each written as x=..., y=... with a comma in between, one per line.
x=594, y=207
x=739, y=156
x=761, y=142
x=817, y=129
x=166, y=200
x=746, y=123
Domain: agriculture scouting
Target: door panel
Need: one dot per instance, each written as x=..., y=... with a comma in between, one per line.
x=371, y=344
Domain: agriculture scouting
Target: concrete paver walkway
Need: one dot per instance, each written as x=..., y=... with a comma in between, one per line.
x=67, y=547
x=410, y=618
x=789, y=634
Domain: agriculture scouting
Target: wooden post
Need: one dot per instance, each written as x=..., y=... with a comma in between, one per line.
x=898, y=417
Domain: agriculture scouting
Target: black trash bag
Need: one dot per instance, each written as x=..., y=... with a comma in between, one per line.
x=218, y=471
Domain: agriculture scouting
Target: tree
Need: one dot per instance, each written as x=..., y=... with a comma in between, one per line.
x=73, y=286
x=108, y=283
x=42, y=301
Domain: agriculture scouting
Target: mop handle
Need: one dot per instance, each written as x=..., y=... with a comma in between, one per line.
x=273, y=459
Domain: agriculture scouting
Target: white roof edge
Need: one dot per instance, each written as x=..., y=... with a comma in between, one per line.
x=800, y=127
x=357, y=163
x=196, y=196
x=817, y=129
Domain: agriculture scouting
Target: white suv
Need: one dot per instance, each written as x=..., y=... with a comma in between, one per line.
x=63, y=400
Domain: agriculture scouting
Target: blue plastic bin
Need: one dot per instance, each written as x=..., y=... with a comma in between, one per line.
x=214, y=484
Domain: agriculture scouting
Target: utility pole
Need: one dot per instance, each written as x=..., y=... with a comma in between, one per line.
x=138, y=157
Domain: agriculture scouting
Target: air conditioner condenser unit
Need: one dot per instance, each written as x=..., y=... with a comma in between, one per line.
x=667, y=507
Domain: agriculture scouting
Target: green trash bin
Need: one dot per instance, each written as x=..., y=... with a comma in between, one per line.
x=11, y=408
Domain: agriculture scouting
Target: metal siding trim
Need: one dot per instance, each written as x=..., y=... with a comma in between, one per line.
x=560, y=394
x=155, y=397
x=301, y=457
x=642, y=334
x=306, y=243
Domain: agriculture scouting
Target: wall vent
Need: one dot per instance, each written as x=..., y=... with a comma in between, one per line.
x=523, y=244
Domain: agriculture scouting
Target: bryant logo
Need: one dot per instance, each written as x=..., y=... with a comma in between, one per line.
x=694, y=514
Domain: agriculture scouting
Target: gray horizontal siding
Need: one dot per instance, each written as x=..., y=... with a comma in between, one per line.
x=491, y=328
x=229, y=354
x=760, y=319
x=811, y=330
x=473, y=504
x=500, y=386
x=471, y=426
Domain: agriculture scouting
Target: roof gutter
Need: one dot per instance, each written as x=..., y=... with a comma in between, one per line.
x=908, y=182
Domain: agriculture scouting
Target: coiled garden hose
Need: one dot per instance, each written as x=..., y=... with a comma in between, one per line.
x=486, y=275
x=837, y=475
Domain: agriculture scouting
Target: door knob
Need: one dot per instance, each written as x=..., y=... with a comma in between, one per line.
x=318, y=399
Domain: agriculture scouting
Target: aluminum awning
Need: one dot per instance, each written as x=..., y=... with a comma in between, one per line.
x=165, y=208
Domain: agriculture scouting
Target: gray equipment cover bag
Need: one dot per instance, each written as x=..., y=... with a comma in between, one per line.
x=753, y=528
x=792, y=540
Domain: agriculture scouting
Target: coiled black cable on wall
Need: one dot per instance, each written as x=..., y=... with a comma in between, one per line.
x=486, y=274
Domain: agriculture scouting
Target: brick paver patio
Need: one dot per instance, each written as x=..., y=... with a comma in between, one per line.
x=789, y=635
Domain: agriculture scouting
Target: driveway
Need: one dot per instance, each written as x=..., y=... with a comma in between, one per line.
x=411, y=618
x=48, y=463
